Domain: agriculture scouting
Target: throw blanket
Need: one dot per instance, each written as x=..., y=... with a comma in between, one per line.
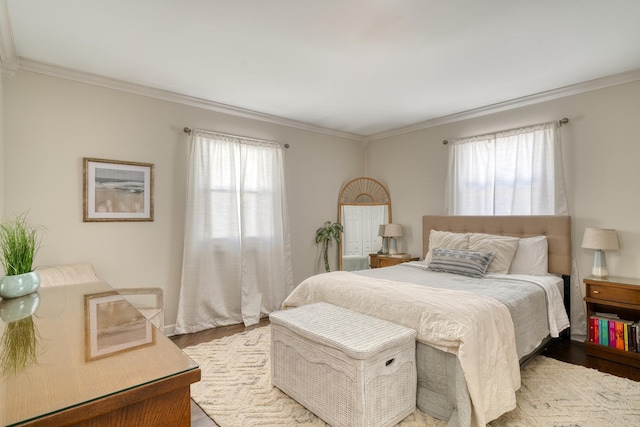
x=477, y=329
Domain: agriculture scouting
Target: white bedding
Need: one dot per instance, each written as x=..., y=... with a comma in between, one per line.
x=447, y=320
x=476, y=328
x=556, y=313
x=552, y=285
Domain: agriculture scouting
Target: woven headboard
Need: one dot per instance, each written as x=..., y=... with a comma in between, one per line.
x=557, y=229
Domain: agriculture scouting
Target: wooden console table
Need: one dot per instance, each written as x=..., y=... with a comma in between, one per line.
x=98, y=363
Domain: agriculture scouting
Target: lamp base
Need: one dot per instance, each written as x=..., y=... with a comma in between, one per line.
x=599, y=264
x=393, y=249
x=599, y=272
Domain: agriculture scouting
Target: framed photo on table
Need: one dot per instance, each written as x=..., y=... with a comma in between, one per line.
x=117, y=191
x=113, y=325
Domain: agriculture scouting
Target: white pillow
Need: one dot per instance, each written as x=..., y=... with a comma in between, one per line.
x=503, y=247
x=445, y=240
x=531, y=257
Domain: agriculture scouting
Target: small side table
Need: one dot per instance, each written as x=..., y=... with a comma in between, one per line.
x=389, y=260
x=618, y=296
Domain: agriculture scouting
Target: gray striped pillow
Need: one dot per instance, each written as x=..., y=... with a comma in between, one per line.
x=459, y=261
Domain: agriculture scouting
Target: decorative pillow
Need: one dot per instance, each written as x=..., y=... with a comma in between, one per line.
x=445, y=240
x=531, y=257
x=503, y=247
x=465, y=262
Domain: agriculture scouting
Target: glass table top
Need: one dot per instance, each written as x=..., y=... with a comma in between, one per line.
x=67, y=345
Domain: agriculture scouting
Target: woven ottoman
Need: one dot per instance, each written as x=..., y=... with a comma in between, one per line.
x=348, y=368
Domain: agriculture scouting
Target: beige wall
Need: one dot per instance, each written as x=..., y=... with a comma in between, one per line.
x=52, y=123
x=601, y=149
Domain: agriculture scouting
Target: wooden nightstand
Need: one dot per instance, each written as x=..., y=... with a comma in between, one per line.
x=388, y=260
x=618, y=296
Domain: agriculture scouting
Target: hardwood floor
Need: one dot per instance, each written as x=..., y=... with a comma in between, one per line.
x=573, y=352
x=563, y=350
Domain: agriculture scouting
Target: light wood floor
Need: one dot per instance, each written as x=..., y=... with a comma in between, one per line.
x=563, y=350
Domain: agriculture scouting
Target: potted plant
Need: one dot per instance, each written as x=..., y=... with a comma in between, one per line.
x=19, y=244
x=325, y=235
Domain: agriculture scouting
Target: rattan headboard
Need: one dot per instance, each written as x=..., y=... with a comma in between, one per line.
x=557, y=229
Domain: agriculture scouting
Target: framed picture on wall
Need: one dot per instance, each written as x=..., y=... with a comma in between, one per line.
x=117, y=191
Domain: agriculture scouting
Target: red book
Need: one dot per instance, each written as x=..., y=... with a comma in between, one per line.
x=593, y=330
x=612, y=333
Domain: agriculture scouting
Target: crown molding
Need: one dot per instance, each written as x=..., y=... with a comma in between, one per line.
x=8, y=57
x=121, y=85
x=588, y=86
x=98, y=80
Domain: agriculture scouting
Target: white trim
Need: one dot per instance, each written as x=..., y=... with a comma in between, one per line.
x=94, y=79
x=604, y=82
x=169, y=330
x=8, y=57
x=97, y=80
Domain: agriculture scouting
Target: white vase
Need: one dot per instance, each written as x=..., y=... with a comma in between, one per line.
x=15, y=309
x=19, y=285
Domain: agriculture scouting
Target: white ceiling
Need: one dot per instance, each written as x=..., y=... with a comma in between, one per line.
x=356, y=66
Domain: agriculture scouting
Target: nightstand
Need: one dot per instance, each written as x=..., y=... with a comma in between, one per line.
x=389, y=260
x=618, y=296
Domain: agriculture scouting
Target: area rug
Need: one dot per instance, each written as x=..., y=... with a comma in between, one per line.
x=235, y=390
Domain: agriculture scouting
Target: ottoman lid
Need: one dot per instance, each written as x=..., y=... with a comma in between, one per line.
x=357, y=335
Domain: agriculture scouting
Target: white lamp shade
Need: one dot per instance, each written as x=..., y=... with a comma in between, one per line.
x=393, y=230
x=381, y=228
x=600, y=238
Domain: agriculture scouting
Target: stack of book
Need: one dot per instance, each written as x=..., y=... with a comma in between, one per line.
x=609, y=330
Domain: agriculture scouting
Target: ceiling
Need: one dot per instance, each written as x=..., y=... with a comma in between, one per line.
x=358, y=67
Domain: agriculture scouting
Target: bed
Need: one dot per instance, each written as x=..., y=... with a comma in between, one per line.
x=473, y=333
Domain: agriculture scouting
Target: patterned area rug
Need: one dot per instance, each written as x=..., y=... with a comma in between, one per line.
x=236, y=390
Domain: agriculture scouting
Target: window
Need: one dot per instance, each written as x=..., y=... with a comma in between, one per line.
x=244, y=184
x=237, y=252
x=515, y=172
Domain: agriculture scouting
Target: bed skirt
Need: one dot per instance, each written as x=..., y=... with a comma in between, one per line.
x=442, y=390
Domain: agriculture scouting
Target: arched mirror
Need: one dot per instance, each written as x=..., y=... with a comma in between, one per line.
x=363, y=205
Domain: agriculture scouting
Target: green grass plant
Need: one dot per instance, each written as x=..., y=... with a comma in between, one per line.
x=19, y=345
x=19, y=242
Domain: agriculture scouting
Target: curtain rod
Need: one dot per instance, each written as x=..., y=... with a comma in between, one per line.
x=561, y=122
x=187, y=130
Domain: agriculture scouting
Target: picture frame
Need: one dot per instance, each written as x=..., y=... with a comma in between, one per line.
x=113, y=325
x=116, y=190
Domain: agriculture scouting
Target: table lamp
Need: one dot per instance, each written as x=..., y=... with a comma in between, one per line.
x=601, y=240
x=384, y=249
x=392, y=231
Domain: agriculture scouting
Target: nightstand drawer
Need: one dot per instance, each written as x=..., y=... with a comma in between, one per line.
x=387, y=261
x=617, y=294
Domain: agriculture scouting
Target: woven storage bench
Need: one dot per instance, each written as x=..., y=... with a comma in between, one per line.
x=348, y=368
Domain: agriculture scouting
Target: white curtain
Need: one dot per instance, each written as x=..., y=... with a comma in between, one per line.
x=515, y=172
x=237, y=252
